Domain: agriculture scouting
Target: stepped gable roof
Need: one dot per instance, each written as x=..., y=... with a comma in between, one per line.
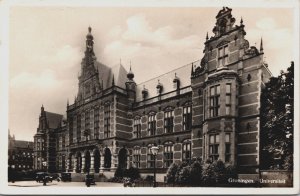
x=53, y=119
x=166, y=80
x=106, y=75
x=23, y=144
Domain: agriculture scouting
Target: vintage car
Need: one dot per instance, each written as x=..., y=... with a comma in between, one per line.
x=66, y=177
x=41, y=176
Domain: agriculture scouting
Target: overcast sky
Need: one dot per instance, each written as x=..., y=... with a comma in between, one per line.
x=48, y=43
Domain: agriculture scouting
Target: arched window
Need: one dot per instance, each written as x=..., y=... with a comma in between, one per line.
x=169, y=120
x=137, y=127
x=151, y=124
x=187, y=117
x=107, y=120
x=186, y=151
x=168, y=154
x=214, y=146
x=136, y=156
x=96, y=123
x=150, y=157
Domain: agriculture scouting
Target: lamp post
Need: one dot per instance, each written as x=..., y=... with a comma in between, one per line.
x=154, y=150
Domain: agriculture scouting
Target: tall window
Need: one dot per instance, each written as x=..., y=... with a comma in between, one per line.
x=214, y=147
x=169, y=121
x=136, y=156
x=107, y=121
x=150, y=157
x=227, y=147
x=168, y=154
x=186, y=151
x=96, y=123
x=187, y=118
x=71, y=130
x=78, y=128
x=87, y=124
x=223, y=56
x=151, y=124
x=228, y=98
x=137, y=127
x=215, y=101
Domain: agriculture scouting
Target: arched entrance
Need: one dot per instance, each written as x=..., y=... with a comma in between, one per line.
x=107, y=158
x=79, y=163
x=96, y=160
x=87, y=161
x=122, y=157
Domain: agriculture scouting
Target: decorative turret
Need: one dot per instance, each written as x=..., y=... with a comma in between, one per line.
x=130, y=85
x=261, y=49
x=89, y=41
x=130, y=74
x=224, y=23
x=176, y=82
x=144, y=92
x=159, y=88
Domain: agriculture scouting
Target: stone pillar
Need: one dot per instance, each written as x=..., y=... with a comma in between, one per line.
x=160, y=157
x=114, y=161
x=68, y=164
x=101, y=164
x=82, y=164
x=160, y=123
x=143, y=160
x=128, y=161
x=92, y=170
x=177, y=154
x=75, y=164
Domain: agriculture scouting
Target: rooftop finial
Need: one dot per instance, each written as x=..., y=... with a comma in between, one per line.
x=261, y=45
x=206, y=36
x=113, y=80
x=90, y=29
x=192, y=72
x=241, y=20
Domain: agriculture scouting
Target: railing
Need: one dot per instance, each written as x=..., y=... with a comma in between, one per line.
x=165, y=96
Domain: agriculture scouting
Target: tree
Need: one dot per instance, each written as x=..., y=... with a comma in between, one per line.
x=171, y=173
x=277, y=109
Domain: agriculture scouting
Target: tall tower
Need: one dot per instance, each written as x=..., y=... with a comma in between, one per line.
x=226, y=96
x=89, y=76
x=131, y=86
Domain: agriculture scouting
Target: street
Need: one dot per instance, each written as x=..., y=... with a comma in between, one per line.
x=62, y=184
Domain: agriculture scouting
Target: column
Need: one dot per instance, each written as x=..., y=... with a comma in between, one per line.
x=82, y=164
x=75, y=164
x=101, y=164
x=92, y=170
x=128, y=161
x=68, y=164
x=114, y=162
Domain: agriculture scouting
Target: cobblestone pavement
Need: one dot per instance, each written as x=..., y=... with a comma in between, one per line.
x=62, y=184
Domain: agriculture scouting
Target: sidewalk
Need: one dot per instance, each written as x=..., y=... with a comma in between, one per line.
x=62, y=184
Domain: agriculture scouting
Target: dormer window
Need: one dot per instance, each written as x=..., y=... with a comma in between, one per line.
x=223, y=56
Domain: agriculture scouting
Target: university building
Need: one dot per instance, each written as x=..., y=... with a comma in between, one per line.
x=208, y=109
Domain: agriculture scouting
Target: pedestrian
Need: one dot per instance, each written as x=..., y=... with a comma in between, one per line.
x=44, y=181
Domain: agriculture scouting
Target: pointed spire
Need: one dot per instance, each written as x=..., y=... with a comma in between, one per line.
x=68, y=102
x=206, y=36
x=261, y=45
x=113, y=80
x=241, y=20
x=192, y=72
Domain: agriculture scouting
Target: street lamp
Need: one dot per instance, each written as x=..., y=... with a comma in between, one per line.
x=154, y=150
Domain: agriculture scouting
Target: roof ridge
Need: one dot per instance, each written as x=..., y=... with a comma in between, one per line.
x=167, y=72
x=54, y=113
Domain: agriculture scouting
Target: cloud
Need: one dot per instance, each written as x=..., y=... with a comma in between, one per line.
x=151, y=48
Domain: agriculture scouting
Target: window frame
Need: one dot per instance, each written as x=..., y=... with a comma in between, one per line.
x=150, y=157
x=228, y=97
x=136, y=158
x=107, y=120
x=186, y=150
x=96, y=123
x=215, y=99
x=152, y=124
x=169, y=121
x=214, y=146
x=137, y=127
x=223, y=56
x=227, y=148
x=168, y=154
x=187, y=117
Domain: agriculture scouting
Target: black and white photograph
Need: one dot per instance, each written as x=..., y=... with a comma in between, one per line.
x=149, y=97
